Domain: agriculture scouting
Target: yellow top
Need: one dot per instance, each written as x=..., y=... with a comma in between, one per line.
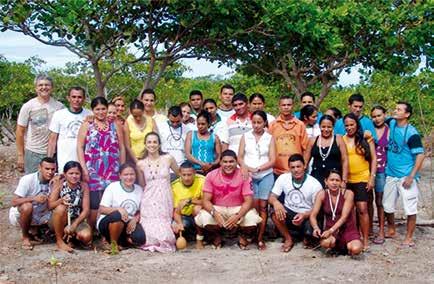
x=137, y=135
x=358, y=167
x=181, y=192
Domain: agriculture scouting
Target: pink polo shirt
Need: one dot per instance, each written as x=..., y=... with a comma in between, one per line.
x=228, y=191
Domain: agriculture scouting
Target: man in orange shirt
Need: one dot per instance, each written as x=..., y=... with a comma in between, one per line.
x=289, y=133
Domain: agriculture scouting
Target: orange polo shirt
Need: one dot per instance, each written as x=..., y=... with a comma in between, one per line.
x=291, y=138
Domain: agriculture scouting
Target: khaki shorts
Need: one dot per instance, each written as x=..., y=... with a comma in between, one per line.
x=250, y=219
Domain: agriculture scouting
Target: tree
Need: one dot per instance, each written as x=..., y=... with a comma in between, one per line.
x=311, y=42
x=162, y=32
x=93, y=30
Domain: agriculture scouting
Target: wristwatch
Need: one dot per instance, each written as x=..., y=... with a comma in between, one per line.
x=212, y=212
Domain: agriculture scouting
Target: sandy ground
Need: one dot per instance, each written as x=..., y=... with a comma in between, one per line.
x=381, y=264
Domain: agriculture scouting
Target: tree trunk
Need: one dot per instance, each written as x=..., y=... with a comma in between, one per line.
x=100, y=85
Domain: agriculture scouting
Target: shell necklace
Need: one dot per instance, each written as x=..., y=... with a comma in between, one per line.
x=324, y=156
x=333, y=209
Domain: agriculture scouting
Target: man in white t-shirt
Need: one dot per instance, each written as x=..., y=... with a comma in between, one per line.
x=238, y=123
x=172, y=133
x=300, y=190
x=30, y=206
x=32, y=125
x=225, y=109
x=64, y=128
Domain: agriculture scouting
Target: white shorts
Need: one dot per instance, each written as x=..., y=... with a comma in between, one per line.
x=14, y=216
x=394, y=189
x=205, y=218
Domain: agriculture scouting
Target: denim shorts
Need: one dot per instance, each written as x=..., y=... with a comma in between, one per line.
x=263, y=186
x=380, y=182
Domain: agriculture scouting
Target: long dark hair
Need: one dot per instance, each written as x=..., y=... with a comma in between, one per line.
x=362, y=146
x=145, y=152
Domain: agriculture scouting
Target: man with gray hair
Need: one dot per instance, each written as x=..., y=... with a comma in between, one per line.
x=33, y=122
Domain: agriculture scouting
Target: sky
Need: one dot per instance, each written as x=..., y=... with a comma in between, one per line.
x=18, y=47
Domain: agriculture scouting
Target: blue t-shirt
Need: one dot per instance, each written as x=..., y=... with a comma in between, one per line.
x=405, y=144
x=297, y=115
x=365, y=123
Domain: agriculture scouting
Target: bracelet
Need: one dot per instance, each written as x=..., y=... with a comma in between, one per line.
x=212, y=212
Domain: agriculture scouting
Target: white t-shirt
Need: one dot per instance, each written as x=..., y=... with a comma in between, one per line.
x=300, y=200
x=236, y=129
x=115, y=196
x=221, y=130
x=159, y=118
x=313, y=131
x=66, y=124
x=256, y=154
x=270, y=118
x=172, y=140
x=30, y=185
x=36, y=117
x=225, y=114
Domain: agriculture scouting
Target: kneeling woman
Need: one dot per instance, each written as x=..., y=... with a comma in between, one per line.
x=119, y=209
x=340, y=223
x=69, y=200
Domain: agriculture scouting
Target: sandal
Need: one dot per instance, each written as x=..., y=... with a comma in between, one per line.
x=261, y=245
x=409, y=245
x=243, y=244
x=378, y=240
x=287, y=248
x=27, y=246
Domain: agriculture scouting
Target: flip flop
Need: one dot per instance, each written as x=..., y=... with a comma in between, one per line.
x=286, y=248
x=27, y=246
x=409, y=245
x=261, y=245
x=378, y=240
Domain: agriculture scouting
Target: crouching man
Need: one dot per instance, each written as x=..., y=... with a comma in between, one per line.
x=187, y=201
x=30, y=208
x=300, y=190
x=227, y=202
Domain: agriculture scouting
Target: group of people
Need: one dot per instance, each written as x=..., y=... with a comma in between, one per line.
x=140, y=178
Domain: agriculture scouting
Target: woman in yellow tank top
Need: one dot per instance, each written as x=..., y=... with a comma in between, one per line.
x=136, y=127
x=362, y=166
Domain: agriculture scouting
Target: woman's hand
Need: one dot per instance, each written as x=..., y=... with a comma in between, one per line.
x=317, y=233
x=124, y=214
x=131, y=226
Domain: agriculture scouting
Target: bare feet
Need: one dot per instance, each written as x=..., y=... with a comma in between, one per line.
x=62, y=246
x=217, y=242
x=287, y=246
x=391, y=233
x=26, y=245
x=199, y=244
x=243, y=243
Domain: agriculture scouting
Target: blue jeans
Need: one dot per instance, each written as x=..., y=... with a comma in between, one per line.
x=380, y=182
x=263, y=186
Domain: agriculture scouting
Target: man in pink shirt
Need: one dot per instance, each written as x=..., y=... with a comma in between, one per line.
x=227, y=202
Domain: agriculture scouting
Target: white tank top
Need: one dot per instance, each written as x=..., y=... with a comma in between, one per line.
x=256, y=154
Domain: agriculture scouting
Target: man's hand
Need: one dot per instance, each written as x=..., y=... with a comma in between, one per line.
x=20, y=163
x=408, y=180
x=177, y=227
x=182, y=203
x=40, y=198
x=232, y=222
x=219, y=219
x=280, y=211
x=70, y=230
x=298, y=219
